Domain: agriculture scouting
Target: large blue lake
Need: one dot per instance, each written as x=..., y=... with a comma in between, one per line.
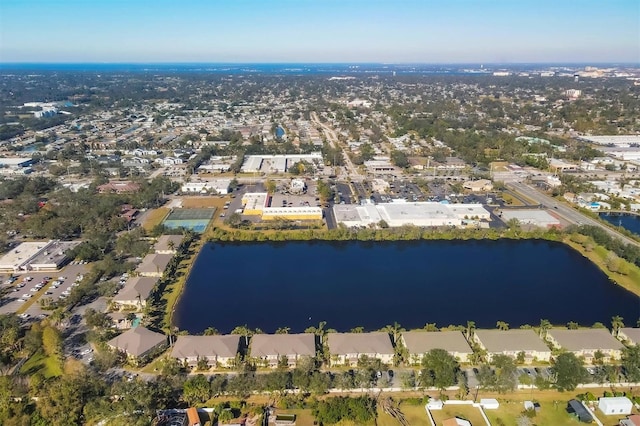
x=299, y=284
x=629, y=222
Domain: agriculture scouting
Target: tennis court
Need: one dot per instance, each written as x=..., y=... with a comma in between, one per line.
x=196, y=220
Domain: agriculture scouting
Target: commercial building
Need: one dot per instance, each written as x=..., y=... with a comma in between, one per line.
x=419, y=343
x=400, y=212
x=217, y=186
x=621, y=141
x=586, y=343
x=292, y=213
x=480, y=185
x=277, y=163
x=257, y=204
x=254, y=202
x=513, y=342
x=15, y=163
x=37, y=256
x=533, y=217
x=348, y=348
x=218, y=351
x=195, y=188
x=272, y=349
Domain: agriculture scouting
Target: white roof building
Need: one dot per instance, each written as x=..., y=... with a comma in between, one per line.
x=615, y=405
x=400, y=212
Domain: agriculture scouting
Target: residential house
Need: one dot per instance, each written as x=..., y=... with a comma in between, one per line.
x=135, y=292
x=218, y=351
x=153, y=265
x=511, y=343
x=138, y=343
x=632, y=420
x=348, y=348
x=274, y=348
x=630, y=336
x=586, y=343
x=167, y=244
x=420, y=342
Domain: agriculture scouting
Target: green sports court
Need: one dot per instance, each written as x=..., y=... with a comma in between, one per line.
x=196, y=220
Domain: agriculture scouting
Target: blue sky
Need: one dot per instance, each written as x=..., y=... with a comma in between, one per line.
x=418, y=31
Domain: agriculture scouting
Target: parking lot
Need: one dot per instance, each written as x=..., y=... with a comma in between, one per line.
x=32, y=286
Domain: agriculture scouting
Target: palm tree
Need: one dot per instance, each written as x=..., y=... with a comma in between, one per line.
x=430, y=327
x=211, y=331
x=283, y=330
x=394, y=330
x=545, y=325
x=357, y=330
x=616, y=324
x=501, y=325
x=572, y=325
x=243, y=330
x=471, y=326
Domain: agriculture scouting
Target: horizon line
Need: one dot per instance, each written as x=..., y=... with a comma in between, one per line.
x=311, y=63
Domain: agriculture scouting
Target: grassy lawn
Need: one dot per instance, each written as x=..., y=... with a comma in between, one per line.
x=40, y=363
x=599, y=255
x=155, y=217
x=552, y=407
x=303, y=416
x=174, y=289
x=414, y=414
x=510, y=200
x=549, y=414
x=463, y=411
x=203, y=202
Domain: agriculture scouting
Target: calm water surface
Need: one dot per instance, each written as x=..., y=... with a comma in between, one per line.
x=629, y=222
x=299, y=284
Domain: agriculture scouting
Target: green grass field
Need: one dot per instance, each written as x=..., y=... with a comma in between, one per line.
x=40, y=363
x=466, y=412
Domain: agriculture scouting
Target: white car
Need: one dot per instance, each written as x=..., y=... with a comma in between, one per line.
x=26, y=296
x=28, y=278
x=33, y=290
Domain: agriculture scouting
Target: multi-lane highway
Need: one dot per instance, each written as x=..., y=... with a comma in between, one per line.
x=568, y=213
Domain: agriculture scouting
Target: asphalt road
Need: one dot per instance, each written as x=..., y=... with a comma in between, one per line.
x=568, y=213
x=332, y=137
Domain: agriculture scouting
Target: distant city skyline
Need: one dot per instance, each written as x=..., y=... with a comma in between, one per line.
x=318, y=31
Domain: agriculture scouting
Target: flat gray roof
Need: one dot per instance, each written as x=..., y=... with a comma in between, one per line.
x=511, y=340
x=585, y=339
x=420, y=342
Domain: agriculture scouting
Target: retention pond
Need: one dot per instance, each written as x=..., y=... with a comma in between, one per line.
x=350, y=284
